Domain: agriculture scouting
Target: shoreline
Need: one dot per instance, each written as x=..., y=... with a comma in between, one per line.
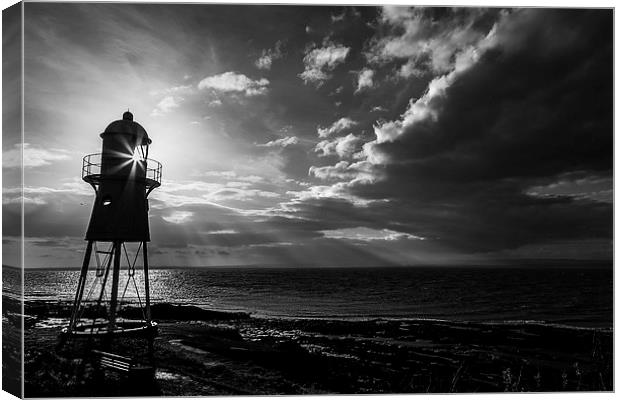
x=40, y=308
x=206, y=352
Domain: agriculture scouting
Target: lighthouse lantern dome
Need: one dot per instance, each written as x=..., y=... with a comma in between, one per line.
x=127, y=126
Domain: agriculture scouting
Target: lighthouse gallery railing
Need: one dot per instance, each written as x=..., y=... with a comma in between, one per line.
x=91, y=170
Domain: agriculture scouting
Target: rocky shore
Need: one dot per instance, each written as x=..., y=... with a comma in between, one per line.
x=203, y=352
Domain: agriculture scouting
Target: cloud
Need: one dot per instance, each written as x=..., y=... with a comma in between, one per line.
x=364, y=80
x=428, y=42
x=172, y=90
x=336, y=91
x=342, y=146
x=174, y=194
x=319, y=62
x=224, y=193
x=240, y=194
x=282, y=142
x=269, y=55
x=74, y=192
x=344, y=171
x=340, y=125
x=463, y=168
x=48, y=211
x=224, y=174
x=338, y=17
x=338, y=171
x=222, y=232
x=32, y=156
x=232, y=82
x=369, y=234
x=42, y=194
x=425, y=109
x=338, y=191
x=166, y=105
x=411, y=68
x=577, y=185
x=264, y=61
x=178, y=217
x=227, y=175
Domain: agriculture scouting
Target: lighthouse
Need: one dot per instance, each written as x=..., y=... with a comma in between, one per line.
x=122, y=177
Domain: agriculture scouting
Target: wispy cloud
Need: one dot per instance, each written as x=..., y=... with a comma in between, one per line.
x=282, y=142
x=577, y=186
x=411, y=68
x=269, y=55
x=178, y=217
x=166, y=105
x=232, y=82
x=319, y=62
x=426, y=43
x=222, y=232
x=45, y=195
x=32, y=156
x=172, y=90
x=338, y=17
x=240, y=194
x=364, y=79
x=227, y=175
x=338, y=191
x=369, y=234
x=342, y=124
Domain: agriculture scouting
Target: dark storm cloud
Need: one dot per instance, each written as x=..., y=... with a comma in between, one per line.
x=528, y=111
x=541, y=108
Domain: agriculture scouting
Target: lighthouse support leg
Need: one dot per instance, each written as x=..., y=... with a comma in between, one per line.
x=81, y=283
x=146, y=283
x=147, y=295
x=114, y=294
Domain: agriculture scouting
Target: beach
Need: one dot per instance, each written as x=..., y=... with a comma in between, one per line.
x=204, y=352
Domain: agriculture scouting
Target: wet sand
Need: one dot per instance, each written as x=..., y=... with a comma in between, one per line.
x=202, y=352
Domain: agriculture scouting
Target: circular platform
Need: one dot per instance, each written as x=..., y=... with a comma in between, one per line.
x=92, y=172
x=121, y=328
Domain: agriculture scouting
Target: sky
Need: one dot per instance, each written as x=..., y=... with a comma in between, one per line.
x=324, y=135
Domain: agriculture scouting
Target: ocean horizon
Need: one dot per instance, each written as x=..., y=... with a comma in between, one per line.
x=568, y=296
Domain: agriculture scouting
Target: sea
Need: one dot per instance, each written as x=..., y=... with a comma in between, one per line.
x=575, y=296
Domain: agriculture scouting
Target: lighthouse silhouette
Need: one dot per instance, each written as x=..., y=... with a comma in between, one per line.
x=122, y=176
